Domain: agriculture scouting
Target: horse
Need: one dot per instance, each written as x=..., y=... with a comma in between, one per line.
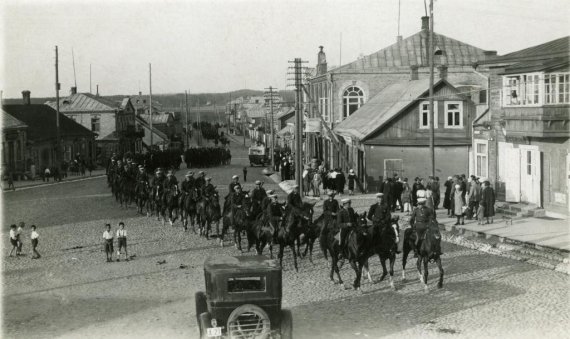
x=313, y=233
x=187, y=206
x=171, y=204
x=241, y=221
x=141, y=195
x=262, y=233
x=208, y=211
x=428, y=251
x=292, y=230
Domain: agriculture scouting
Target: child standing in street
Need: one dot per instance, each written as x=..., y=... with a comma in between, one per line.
x=34, y=236
x=108, y=239
x=245, y=174
x=13, y=239
x=122, y=241
x=19, y=236
x=480, y=213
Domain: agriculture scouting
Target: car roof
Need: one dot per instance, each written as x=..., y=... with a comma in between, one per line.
x=240, y=263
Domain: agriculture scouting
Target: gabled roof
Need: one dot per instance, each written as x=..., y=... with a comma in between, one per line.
x=413, y=51
x=284, y=112
x=158, y=117
x=9, y=122
x=41, y=121
x=85, y=103
x=383, y=107
x=158, y=136
x=538, y=66
x=558, y=48
x=113, y=136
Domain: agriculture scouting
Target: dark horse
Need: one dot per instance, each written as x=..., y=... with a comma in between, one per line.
x=262, y=233
x=171, y=204
x=313, y=232
x=141, y=195
x=292, y=229
x=241, y=221
x=428, y=250
x=187, y=207
x=208, y=210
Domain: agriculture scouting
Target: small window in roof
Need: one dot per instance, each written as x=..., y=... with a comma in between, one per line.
x=66, y=102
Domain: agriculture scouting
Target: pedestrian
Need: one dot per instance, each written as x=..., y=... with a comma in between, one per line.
x=473, y=197
x=446, y=199
x=435, y=190
x=398, y=187
x=11, y=181
x=340, y=181
x=34, y=236
x=488, y=199
x=19, y=232
x=108, y=242
x=47, y=174
x=122, y=241
x=480, y=212
x=245, y=174
x=459, y=205
x=315, y=183
x=406, y=197
x=351, y=180
x=388, y=193
x=13, y=239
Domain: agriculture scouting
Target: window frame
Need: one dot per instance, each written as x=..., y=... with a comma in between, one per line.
x=98, y=117
x=346, y=98
x=447, y=111
x=543, y=90
x=479, y=155
x=435, y=113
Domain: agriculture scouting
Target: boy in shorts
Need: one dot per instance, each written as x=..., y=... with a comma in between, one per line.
x=108, y=239
x=34, y=236
x=13, y=239
x=122, y=241
x=19, y=235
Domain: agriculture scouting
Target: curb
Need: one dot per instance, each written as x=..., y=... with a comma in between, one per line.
x=53, y=183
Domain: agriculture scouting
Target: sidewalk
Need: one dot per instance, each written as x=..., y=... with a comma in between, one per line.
x=539, y=232
x=26, y=184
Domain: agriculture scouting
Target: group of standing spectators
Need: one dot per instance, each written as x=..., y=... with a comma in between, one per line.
x=399, y=195
x=469, y=198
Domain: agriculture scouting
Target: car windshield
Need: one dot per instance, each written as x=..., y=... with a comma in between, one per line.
x=256, y=151
x=246, y=284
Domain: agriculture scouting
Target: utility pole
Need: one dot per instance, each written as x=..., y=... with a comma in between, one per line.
x=199, y=123
x=186, y=122
x=271, y=126
x=150, y=103
x=57, y=131
x=243, y=126
x=298, y=71
x=431, y=80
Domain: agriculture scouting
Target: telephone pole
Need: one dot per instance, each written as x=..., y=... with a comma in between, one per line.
x=298, y=71
x=57, y=131
x=271, y=126
x=431, y=80
x=186, y=122
x=150, y=104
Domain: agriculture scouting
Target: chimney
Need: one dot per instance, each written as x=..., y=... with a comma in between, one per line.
x=414, y=72
x=140, y=94
x=442, y=71
x=73, y=90
x=425, y=23
x=26, y=97
x=321, y=61
x=489, y=54
x=399, y=38
x=97, y=94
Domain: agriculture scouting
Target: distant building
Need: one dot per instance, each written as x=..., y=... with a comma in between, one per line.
x=522, y=142
x=40, y=137
x=14, y=143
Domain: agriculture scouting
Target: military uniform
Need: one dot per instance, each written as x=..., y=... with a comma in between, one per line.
x=187, y=185
x=170, y=182
x=330, y=210
x=379, y=213
x=421, y=218
x=346, y=219
x=275, y=213
x=209, y=190
x=200, y=183
x=158, y=184
x=258, y=194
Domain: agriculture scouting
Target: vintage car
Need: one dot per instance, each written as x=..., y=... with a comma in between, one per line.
x=242, y=299
x=258, y=155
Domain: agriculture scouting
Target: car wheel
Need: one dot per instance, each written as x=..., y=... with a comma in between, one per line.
x=286, y=324
x=204, y=322
x=249, y=321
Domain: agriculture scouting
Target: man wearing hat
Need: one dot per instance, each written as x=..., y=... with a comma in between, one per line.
x=421, y=218
x=233, y=184
x=158, y=182
x=346, y=219
x=200, y=182
x=379, y=212
x=231, y=190
x=330, y=208
x=171, y=183
x=258, y=193
x=189, y=182
x=274, y=212
x=237, y=199
x=142, y=176
x=209, y=189
x=294, y=200
x=266, y=200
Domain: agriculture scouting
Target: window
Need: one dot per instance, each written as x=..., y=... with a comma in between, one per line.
x=481, y=156
x=528, y=162
x=483, y=96
x=324, y=109
x=352, y=99
x=453, y=114
x=246, y=284
x=425, y=116
x=95, y=123
x=536, y=89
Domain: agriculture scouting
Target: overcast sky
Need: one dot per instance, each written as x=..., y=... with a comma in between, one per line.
x=217, y=46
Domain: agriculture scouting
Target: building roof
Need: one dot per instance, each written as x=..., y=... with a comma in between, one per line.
x=41, y=121
x=558, y=48
x=85, y=103
x=413, y=51
x=9, y=122
x=113, y=136
x=158, y=136
x=383, y=107
x=284, y=112
x=538, y=66
x=158, y=117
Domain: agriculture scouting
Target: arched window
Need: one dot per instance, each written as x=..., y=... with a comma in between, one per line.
x=352, y=99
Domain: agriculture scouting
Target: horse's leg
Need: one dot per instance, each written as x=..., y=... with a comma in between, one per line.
x=440, y=267
x=419, y=266
x=392, y=261
x=271, y=249
x=280, y=255
x=357, y=267
x=426, y=261
x=333, y=269
x=366, y=268
x=404, y=259
x=298, y=241
x=384, y=270
x=294, y=256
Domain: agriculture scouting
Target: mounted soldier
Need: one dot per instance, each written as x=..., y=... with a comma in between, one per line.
x=379, y=212
x=209, y=189
x=274, y=213
x=189, y=183
x=330, y=209
x=422, y=218
x=231, y=190
x=346, y=219
x=171, y=183
x=200, y=182
x=266, y=201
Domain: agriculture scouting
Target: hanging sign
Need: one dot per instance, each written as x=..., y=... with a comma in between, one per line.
x=312, y=125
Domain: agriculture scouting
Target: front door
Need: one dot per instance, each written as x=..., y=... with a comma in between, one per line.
x=530, y=160
x=510, y=170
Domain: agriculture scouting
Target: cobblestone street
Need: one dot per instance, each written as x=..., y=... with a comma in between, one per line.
x=71, y=292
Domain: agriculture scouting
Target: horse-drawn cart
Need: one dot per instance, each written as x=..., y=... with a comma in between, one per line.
x=242, y=299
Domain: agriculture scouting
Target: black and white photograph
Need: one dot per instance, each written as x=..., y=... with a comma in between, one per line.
x=278, y=169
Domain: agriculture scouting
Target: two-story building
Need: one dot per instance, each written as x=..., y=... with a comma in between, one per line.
x=338, y=93
x=522, y=143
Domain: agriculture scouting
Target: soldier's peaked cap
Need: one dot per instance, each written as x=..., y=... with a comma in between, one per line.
x=258, y=182
x=189, y=174
x=345, y=201
x=141, y=166
x=235, y=177
x=379, y=195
